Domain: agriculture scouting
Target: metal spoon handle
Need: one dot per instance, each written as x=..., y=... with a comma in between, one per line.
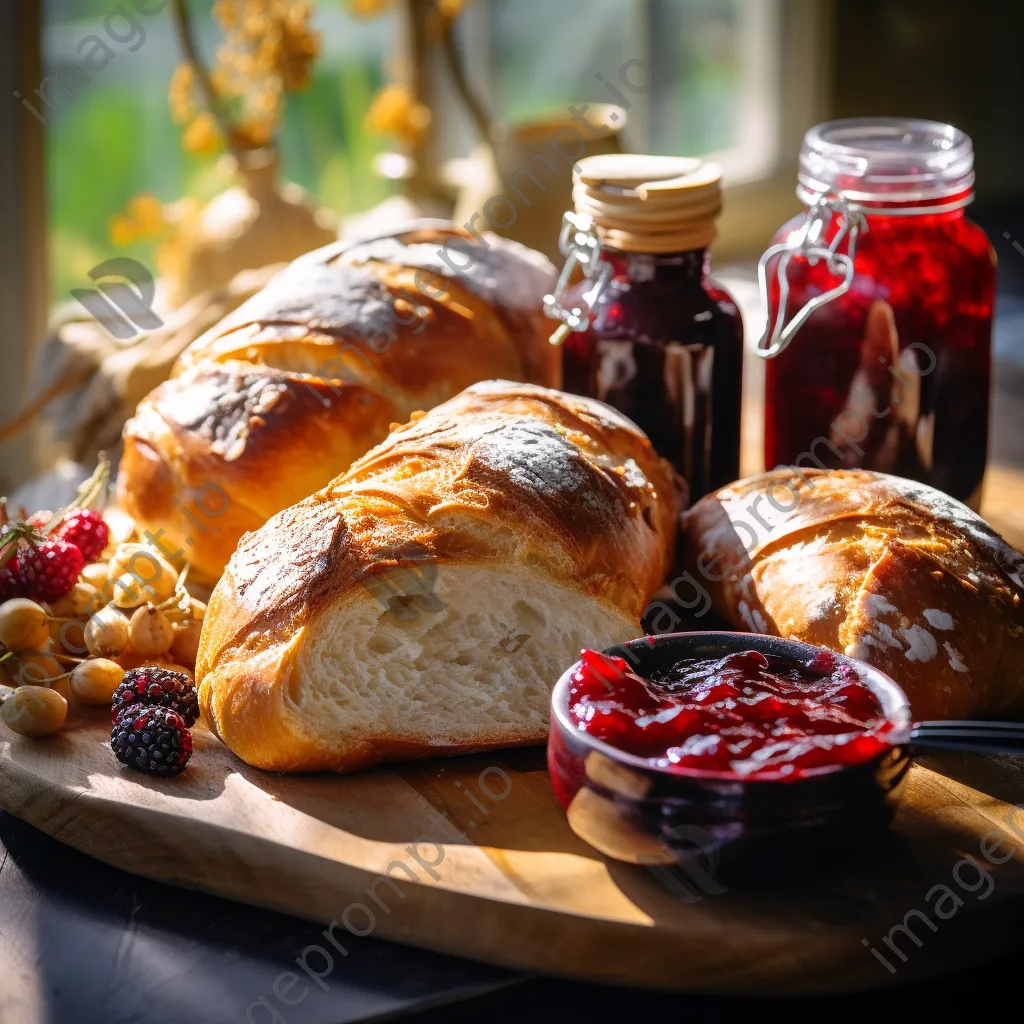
x=983, y=737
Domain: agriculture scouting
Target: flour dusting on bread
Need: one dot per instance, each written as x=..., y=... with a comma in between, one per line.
x=883, y=569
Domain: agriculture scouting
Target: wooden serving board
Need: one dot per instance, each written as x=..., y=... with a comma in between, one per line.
x=484, y=864
x=502, y=878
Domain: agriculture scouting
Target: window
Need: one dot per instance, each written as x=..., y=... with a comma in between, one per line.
x=713, y=64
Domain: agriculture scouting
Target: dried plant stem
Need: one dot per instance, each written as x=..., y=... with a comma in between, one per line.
x=186, y=38
x=62, y=385
x=457, y=68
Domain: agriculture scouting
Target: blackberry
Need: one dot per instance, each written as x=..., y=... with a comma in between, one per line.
x=10, y=585
x=157, y=688
x=151, y=740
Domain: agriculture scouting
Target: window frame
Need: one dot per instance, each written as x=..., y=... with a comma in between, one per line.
x=23, y=283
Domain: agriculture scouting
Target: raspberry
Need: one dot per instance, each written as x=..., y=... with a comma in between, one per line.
x=85, y=528
x=151, y=740
x=156, y=688
x=49, y=571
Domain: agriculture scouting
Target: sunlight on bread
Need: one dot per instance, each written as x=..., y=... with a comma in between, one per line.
x=426, y=601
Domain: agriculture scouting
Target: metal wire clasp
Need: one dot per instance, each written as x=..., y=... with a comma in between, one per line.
x=808, y=243
x=580, y=244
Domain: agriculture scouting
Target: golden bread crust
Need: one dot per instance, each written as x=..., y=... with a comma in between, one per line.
x=880, y=568
x=280, y=396
x=210, y=455
x=502, y=475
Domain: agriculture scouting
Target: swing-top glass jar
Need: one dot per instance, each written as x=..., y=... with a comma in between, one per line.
x=879, y=305
x=646, y=330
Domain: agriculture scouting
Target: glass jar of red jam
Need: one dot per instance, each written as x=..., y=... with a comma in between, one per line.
x=879, y=303
x=646, y=329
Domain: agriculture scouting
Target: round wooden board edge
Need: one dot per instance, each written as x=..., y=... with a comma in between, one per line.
x=589, y=949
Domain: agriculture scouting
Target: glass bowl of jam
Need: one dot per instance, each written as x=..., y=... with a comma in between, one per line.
x=726, y=753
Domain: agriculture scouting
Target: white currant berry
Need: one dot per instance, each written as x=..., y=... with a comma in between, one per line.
x=106, y=634
x=24, y=625
x=150, y=632
x=38, y=668
x=81, y=602
x=185, y=647
x=96, y=575
x=94, y=681
x=34, y=711
x=139, y=573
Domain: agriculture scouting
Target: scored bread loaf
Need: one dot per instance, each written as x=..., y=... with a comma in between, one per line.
x=426, y=602
x=874, y=566
x=307, y=375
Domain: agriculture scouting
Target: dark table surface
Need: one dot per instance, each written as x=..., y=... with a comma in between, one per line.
x=81, y=942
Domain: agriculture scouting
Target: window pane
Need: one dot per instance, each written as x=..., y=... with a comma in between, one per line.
x=715, y=82
x=546, y=53
x=712, y=85
x=696, y=51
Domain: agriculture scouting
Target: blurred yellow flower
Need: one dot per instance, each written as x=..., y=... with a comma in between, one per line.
x=147, y=214
x=225, y=13
x=451, y=8
x=202, y=137
x=265, y=102
x=143, y=218
x=254, y=133
x=122, y=231
x=368, y=8
x=179, y=94
x=298, y=51
x=395, y=111
x=268, y=48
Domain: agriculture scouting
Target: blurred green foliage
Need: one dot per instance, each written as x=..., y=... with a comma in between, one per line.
x=114, y=138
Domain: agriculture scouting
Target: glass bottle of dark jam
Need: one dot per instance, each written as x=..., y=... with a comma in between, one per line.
x=646, y=329
x=881, y=357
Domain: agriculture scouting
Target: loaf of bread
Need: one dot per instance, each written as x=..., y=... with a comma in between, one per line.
x=426, y=602
x=876, y=567
x=309, y=374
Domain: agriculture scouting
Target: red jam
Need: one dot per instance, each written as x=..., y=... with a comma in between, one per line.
x=747, y=714
x=894, y=375
x=662, y=325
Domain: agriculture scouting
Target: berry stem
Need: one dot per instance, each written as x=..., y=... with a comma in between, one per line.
x=87, y=494
x=181, y=597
